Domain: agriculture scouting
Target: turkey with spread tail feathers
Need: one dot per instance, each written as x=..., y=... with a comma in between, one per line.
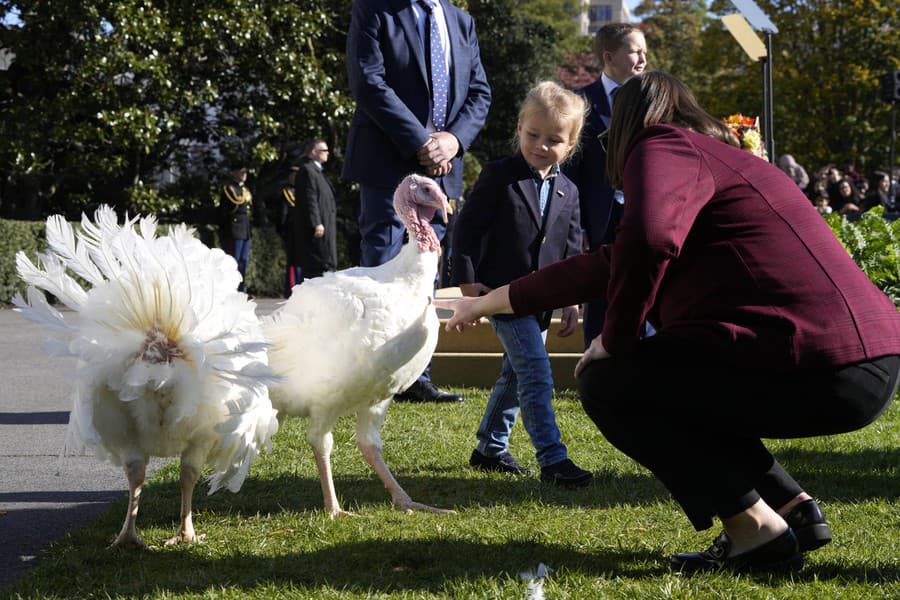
x=171, y=358
x=348, y=341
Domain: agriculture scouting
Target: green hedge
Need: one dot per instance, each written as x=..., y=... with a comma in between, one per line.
x=265, y=272
x=874, y=243
x=15, y=236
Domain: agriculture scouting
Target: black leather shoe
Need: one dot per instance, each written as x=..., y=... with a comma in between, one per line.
x=424, y=391
x=502, y=463
x=779, y=554
x=565, y=473
x=808, y=523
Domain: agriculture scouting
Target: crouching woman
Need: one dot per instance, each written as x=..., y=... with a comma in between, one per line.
x=729, y=261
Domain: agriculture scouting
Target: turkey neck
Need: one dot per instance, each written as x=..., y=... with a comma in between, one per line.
x=417, y=267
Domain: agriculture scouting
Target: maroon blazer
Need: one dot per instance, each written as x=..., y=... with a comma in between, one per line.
x=721, y=247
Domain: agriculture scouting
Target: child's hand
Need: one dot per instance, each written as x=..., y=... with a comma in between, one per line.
x=569, y=321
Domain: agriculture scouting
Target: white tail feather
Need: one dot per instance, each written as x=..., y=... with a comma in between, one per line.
x=61, y=240
x=161, y=329
x=37, y=309
x=51, y=277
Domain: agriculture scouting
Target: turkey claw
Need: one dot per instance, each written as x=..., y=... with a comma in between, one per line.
x=339, y=514
x=129, y=542
x=181, y=538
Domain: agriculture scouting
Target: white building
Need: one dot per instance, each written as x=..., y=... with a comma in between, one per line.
x=597, y=13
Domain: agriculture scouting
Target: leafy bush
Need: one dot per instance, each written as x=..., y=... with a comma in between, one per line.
x=265, y=273
x=27, y=236
x=874, y=244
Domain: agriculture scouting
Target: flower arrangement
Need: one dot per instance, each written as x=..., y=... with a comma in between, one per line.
x=747, y=131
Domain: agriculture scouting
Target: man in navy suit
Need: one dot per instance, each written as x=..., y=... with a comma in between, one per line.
x=622, y=51
x=398, y=51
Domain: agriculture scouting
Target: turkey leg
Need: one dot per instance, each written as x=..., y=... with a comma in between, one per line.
x=135, y=472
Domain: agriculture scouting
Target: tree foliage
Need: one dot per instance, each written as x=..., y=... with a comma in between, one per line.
x=672, y=29
x=105, y=100
x=516, y=51
x=827, y=59
x=140, y=103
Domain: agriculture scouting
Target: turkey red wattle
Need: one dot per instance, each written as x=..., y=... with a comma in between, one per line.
x=416, y=201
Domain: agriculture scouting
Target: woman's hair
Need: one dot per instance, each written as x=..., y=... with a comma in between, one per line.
x=551, y=99
x=655, y=98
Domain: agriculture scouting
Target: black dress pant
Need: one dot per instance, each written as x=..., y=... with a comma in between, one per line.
x=696, y=421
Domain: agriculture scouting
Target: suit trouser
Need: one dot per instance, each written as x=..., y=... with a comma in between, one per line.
x=240, y=250
x=696, y=421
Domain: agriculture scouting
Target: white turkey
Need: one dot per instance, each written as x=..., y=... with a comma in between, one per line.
x=346, y=342
x=171, y=359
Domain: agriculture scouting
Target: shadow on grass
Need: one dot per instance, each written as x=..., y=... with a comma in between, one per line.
x=297, y=493
x=432, y=566
x=373, y=567
x=845, y=476
x=838, y=476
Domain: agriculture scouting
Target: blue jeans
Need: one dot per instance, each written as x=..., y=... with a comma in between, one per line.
x=381, y=232
x=526, y=384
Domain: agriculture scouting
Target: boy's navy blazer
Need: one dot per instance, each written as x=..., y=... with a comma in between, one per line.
x=499, y=234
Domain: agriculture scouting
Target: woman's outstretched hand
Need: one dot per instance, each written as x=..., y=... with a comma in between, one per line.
x=465, y=313
x=470, y=310
x=595, y=351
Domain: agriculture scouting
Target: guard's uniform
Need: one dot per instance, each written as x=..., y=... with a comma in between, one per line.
x=237, y=203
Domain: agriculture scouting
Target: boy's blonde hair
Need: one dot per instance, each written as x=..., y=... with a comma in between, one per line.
x=552, y=99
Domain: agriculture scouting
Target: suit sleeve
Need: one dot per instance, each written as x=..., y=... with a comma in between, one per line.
x=574, y=240
x=368, y=85
x=666, y=184
x=472, y=224
x=470, y=119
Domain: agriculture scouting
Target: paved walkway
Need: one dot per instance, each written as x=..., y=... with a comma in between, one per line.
x=42, y=497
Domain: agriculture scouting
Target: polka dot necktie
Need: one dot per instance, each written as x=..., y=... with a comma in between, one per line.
x=440, y=80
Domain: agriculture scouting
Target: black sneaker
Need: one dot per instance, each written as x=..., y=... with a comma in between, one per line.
x=565, y=473
x=502, y=463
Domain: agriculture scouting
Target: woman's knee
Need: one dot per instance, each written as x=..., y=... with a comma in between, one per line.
x=597, y=392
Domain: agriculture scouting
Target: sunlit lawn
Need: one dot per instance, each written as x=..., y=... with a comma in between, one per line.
x=610, y=540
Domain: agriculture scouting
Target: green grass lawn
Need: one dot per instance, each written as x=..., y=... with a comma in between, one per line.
x=610, y=540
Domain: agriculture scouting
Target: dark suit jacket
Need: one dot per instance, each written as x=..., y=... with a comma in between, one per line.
x=499, y=234
x=389, y=81
x=587, y=170
x=722, y=248
x=314, y=205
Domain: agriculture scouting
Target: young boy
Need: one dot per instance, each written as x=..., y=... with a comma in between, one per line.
x=522, y=215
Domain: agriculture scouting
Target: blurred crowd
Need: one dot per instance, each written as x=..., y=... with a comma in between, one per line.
x=843, y=189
